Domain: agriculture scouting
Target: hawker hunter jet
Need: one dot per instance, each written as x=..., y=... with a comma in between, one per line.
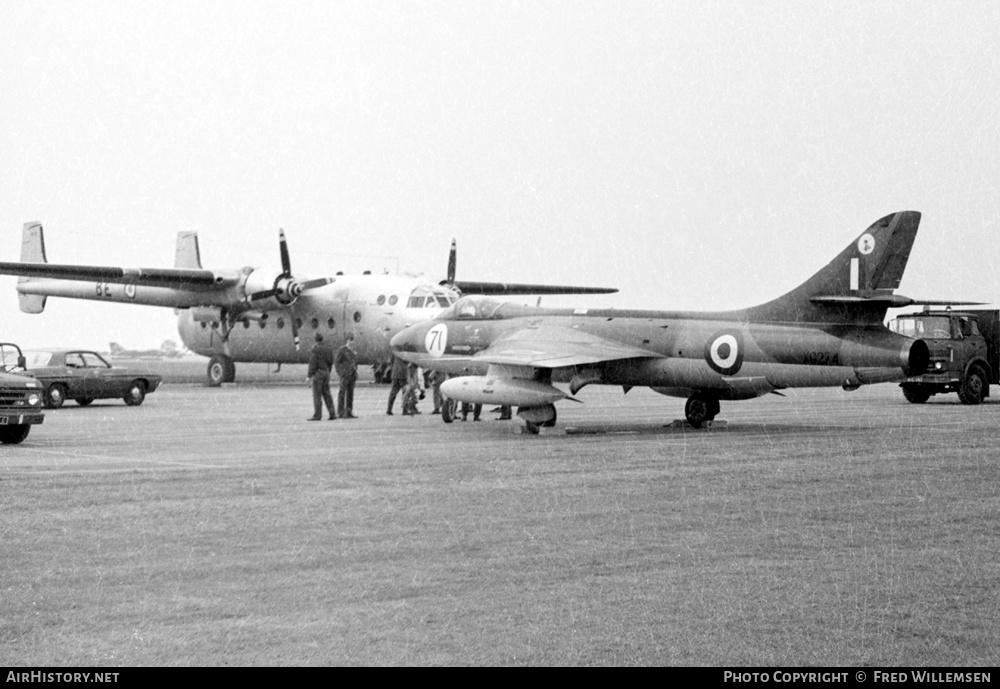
x=827, y=332
x=257, y=314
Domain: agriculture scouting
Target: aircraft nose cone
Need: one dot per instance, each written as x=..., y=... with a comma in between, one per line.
x=409, y=341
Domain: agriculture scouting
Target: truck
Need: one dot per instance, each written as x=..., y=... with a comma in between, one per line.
x=20, y=397
x=964, y=353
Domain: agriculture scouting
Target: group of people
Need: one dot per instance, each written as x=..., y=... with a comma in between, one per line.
x=405, y=378
x=345, y=363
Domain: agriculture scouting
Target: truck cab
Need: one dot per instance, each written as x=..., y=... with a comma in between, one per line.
x=20, y=397
x=964, y=350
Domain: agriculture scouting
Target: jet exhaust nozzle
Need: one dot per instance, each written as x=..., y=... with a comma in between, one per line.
x=916, y=358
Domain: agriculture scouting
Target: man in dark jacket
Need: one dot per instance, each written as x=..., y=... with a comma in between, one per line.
x=346, y=363
x=398, y=381
x=320, y=363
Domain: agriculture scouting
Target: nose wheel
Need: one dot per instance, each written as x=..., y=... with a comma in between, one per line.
x=700, y=410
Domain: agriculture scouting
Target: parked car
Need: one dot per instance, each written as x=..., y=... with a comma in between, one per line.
x=83, y=376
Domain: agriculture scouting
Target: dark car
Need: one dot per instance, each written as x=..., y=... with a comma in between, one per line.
x=83, y=376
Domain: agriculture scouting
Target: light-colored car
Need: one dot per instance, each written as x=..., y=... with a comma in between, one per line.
x=83, y=376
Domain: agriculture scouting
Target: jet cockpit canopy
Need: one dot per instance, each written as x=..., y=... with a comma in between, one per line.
x=472, y=308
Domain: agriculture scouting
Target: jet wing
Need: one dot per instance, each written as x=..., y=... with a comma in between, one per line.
x=177, y=278
x=494, y=288
x=547, y=346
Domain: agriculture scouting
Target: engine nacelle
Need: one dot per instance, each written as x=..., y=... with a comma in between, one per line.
x=513, y=392
x=269, y=289
x=206, y=314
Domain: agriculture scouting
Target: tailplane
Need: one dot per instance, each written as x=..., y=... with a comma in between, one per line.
x=857, y=286
x=32, y=251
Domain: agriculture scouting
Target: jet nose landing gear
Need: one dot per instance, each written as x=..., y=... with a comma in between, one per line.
x=701, y=409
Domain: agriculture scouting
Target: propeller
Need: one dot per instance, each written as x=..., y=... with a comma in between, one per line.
x=286, y=289
x=452, y=260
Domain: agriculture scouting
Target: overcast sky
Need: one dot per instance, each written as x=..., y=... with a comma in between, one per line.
x=695, y=155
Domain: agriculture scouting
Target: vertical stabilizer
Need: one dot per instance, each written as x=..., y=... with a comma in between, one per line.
x=188, y=255
x=32, y=251
x=856, y=287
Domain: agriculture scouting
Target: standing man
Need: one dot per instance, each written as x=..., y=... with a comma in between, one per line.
x=346, y=363
x=438, y=377
x=411, y=391
x=320, y=363
x=398, y=381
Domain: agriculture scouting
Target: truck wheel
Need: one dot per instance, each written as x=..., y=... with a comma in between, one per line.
x=916, y=394
x=973, y=388
x=12, y=435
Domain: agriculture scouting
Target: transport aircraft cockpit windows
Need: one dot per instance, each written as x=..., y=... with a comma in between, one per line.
x=426, y=297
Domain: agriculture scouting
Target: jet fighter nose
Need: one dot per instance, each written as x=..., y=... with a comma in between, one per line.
x=408, y=343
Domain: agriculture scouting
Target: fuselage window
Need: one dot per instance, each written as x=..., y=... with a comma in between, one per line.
x=204, y=325
x=393, y=299
x=381, y=299
x=314, y=323
x=263, y=324
x=298, y=324
x=246, y=323
x=357, y=316
x=330, y=323
x=281, y=322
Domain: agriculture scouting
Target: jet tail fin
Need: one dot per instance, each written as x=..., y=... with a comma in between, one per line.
x=32, y=251
x=188, y=254
x=857, y=286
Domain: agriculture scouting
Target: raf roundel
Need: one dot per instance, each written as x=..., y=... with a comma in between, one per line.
x=724, y=352
x=436, y=340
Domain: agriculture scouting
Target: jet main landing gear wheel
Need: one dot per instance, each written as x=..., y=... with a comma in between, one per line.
x=700, y=410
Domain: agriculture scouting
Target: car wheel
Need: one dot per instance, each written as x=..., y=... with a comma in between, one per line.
x=55, y=396
x=136, y=393
x=85, y=401
x=12, y=435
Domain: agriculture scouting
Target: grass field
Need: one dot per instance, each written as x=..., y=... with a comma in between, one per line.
x=218, y=527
